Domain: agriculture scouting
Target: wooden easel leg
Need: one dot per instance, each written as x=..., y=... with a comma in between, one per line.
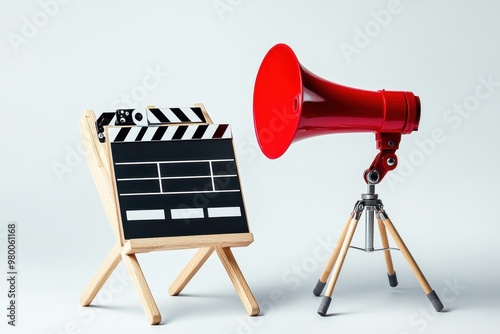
x=190, y=270
x=142, y=288
x=101, y=276
x=241, y=286
x=325, y=303
x=331, y=261
x=431, y=294
x=391, y=273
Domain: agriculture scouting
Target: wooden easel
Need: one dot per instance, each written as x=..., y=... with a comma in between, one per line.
x=99, y=160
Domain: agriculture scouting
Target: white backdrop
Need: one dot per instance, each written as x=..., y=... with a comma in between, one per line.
x=58, y=58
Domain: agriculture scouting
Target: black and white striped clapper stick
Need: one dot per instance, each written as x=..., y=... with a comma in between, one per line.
x=175, y=115
x=147, y=117
x=177, y=180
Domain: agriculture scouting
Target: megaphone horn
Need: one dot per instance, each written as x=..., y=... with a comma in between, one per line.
x=291, y=103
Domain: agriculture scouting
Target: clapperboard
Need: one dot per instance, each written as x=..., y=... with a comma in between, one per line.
x=175, y=174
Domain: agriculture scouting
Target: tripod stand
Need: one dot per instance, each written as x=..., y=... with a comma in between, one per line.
x=373, y=206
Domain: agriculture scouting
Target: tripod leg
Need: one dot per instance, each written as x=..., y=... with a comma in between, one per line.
x=325, y=303
x=431, y=294
x=331, y=261
x=391, y=273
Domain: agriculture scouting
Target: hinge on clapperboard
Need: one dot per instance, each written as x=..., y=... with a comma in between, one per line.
x=148, y=117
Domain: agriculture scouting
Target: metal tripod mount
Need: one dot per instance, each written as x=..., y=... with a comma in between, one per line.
x=373, y=207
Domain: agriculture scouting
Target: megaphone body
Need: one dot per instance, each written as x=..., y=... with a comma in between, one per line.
x=291, y=103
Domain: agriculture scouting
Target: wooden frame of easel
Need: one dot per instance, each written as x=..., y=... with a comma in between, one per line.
x=99, y=160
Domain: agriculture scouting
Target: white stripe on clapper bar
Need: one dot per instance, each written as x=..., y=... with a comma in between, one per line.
x=151, y=117
x=209, y=133
x=150, y=132
x=113, y=132
x=191, y=115
x=170, y=115
x=132, y=134
x=227, y=134
x=169, y=133
x=189, y=132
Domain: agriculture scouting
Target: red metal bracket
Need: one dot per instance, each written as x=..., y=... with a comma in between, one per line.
x=386, y=160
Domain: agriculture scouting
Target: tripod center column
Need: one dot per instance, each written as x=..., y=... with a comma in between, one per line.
x=369, y=229
x=369, y=199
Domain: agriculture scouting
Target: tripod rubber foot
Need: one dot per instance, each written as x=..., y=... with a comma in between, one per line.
x=435, y=301
x=323, y=307
x=393, y=280
x=318, y=289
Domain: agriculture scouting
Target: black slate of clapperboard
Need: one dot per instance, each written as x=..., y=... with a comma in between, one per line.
x=177, y=174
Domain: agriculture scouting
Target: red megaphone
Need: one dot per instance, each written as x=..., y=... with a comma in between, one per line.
x=291, y=103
